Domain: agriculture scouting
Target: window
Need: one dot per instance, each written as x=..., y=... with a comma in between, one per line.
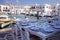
x=40, y=7
x=0, y=8
x=2, y=17
x=6, y=8
x=3, y=7
x=33, y=7
x=54, y=11
x=43, y=6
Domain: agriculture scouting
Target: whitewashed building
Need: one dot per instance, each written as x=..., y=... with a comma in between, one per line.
x=44, y=9
x=15, y=10
x=4, y=9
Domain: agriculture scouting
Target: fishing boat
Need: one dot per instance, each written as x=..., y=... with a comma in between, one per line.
x=4, y=21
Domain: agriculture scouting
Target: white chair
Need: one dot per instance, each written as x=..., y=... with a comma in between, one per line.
x=24, y=34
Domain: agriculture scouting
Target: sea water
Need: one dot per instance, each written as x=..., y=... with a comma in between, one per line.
x=21, y=16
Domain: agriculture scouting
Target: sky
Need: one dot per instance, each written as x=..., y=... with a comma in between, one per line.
x=29, y=1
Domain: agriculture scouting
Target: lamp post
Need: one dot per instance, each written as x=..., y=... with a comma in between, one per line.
x=57, y=8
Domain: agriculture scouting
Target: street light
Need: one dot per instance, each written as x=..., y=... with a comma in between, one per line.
x=57, y=4
x=57, y=8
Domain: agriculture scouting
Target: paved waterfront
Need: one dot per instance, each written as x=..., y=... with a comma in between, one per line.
x=8, y=34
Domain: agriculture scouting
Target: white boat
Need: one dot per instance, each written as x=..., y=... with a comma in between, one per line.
x=4, y=21
x=4, y=18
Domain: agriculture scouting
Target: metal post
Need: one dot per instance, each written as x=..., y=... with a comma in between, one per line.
x=27, y=35
x=20, y=30
x=37, y=15
x=43, y=39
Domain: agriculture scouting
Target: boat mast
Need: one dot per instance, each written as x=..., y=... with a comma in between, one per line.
x=17, y=6
x=17, y=2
